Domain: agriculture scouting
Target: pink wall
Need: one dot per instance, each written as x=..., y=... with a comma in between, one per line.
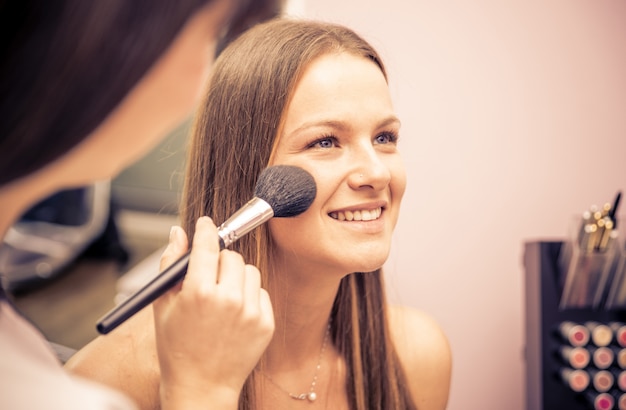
x=514, y=119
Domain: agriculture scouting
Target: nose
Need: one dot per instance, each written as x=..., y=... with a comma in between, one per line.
x=369, y=171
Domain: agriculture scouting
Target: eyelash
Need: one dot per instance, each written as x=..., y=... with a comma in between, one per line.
x=391, y=136
x=315, y=143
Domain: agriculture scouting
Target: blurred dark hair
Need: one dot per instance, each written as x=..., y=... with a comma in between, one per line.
x=66, y=64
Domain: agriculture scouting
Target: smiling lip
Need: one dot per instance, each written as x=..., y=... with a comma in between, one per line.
x=365, y=214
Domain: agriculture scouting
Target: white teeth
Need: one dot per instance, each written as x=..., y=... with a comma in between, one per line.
x=360, y=215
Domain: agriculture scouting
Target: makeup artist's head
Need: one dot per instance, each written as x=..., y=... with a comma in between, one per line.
x=313, y=95
x=103, y=80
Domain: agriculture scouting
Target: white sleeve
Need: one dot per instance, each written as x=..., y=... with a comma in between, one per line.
x=31, y=376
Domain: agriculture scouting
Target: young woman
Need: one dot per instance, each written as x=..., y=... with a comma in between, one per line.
x=87, y=87
x=314, y=95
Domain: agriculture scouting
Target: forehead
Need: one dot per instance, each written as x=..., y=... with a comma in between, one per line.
x=335, y=84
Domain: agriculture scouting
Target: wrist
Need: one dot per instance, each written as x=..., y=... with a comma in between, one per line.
x=206, y=397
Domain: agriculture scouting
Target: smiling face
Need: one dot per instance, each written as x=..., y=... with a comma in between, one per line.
x=340, y=126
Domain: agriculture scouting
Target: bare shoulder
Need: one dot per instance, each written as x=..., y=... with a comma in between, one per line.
x=425, y=354
x=124, y=359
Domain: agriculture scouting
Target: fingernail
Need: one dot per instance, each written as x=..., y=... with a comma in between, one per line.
x=203, y=220
x=173, y=233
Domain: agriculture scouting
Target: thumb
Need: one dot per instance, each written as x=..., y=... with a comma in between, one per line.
x=176, y=247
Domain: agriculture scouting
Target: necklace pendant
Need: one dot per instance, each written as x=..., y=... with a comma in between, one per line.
x=311, y=396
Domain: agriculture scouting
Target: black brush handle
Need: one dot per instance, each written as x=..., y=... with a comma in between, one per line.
x=146, y=295
x=613, y=212
x=252, y=214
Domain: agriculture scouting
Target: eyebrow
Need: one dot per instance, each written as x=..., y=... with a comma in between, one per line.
x=343, y=126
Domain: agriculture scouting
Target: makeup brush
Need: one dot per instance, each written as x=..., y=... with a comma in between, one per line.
x=613, y=210
x=281, y=191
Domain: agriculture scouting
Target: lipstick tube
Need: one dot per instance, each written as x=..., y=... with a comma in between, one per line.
x=601, y=334
x=602, y=380
x=602, y=357
x=573, y=333
x=576, y=379
x=619, y=330
x=575, y=357
x=600, y=401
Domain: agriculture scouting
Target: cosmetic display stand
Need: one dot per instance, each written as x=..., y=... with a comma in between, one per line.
x=552, y=381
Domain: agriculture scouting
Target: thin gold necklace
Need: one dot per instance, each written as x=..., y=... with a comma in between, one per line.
x=311, y=396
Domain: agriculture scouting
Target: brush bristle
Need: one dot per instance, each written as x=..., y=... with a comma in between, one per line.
x=287, y=189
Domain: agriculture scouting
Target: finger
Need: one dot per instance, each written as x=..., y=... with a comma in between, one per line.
x=252, y=286
x=176, y=247
x=267, y=312
x=203, y=261
x=231, y=271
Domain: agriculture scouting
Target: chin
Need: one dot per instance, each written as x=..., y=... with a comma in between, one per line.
x=369, y=263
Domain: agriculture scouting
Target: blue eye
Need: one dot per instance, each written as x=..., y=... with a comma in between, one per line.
x=386, y=137
x=325, y=142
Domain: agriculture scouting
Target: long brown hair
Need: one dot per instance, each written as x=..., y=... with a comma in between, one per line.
x=232, y=141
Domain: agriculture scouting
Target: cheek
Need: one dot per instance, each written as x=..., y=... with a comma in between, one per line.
x=398, y=187
x=186, y=87
x=287, y=231
x=398, y=179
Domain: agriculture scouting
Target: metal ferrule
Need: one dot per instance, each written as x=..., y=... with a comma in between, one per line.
x=248, y=217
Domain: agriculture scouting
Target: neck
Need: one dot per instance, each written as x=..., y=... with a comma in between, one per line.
x=301, y=360
x=302, y=305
